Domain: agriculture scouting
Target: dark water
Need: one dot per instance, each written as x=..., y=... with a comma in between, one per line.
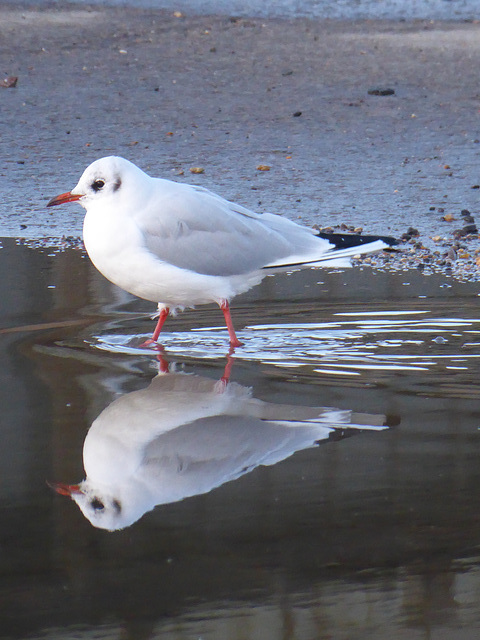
x=371, y=532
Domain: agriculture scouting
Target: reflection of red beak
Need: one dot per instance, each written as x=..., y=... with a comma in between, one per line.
x=64, y=489
x=64, y=197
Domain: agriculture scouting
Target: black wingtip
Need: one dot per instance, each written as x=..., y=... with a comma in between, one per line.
x=347, y=240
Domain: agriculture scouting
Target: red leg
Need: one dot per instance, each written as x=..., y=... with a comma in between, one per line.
x=161, y=321
x=162, y=363
x=225, y=379
x=234, y=341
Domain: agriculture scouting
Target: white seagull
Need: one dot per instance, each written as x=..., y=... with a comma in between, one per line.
x=185, y=435
x=181, y=245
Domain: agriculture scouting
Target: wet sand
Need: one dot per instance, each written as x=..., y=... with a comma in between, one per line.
x=229, y=95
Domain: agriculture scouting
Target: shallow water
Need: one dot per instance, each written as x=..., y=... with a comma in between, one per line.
x=333, y=484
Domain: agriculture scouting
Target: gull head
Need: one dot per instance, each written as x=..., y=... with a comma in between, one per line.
x=104, y=181
x=100, y=506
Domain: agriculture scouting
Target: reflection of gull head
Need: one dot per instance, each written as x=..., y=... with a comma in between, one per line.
x=185, y=435
x=98, y=504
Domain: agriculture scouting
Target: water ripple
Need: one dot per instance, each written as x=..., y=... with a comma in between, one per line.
x=351, y=344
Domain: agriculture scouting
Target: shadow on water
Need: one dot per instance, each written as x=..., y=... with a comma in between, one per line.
x=270, y=522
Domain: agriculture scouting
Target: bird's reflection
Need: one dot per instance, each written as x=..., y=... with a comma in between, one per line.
x=185, y=435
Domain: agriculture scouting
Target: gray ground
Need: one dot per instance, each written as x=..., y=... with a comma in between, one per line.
x=225, y=94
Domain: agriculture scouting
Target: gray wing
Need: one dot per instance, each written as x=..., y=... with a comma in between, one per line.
x=208, y=452
x=192, y=228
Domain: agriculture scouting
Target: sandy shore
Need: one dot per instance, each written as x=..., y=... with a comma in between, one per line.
x=173, y=92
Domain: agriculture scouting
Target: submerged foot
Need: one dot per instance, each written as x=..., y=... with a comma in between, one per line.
x=147, y=343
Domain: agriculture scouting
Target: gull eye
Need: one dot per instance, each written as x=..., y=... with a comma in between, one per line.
x=98, y=185
x=97, y=504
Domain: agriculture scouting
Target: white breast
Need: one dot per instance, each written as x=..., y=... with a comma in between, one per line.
x=117, y=248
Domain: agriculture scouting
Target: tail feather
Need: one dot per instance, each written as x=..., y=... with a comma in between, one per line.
x=335, y=257
x=346, y=240
x=348, y=252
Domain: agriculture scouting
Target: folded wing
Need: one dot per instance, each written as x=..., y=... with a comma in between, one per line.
x=192, y=228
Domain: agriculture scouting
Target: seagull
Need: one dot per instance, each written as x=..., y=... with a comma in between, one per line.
x=185, y=435
x=182, y=245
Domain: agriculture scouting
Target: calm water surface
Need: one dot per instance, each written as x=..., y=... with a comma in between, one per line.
x=331, y=490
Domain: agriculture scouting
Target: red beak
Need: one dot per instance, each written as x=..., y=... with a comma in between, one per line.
x=64, y=489
x=64, y=197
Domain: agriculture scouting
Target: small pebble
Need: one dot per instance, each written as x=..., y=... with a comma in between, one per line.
x=381, y=91
x=9, y=82
x=452, y=254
